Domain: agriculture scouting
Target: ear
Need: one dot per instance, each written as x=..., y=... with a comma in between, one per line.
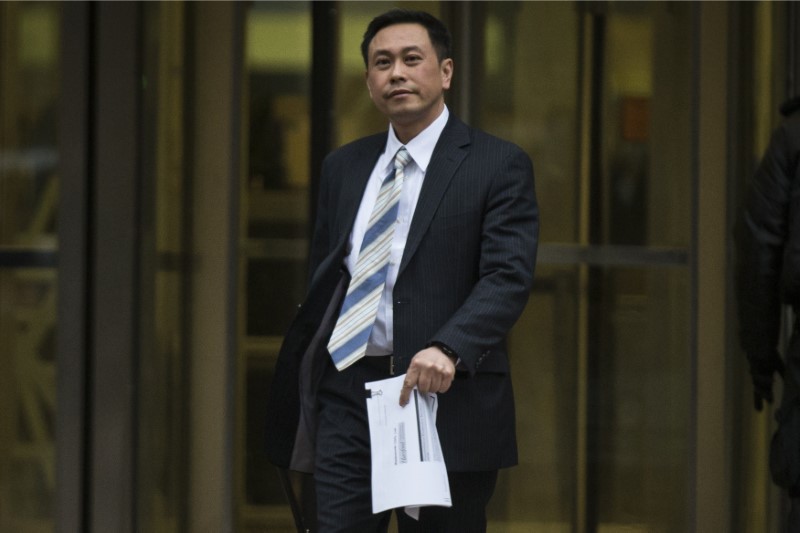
x=447, y=72
x=366, y=79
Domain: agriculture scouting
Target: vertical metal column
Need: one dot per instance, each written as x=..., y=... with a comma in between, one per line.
x=592, y=50
x=324, y=65
x=216, y=139
x=115, y=221
x=582, y=492
x=466, y=21
x=74, y=315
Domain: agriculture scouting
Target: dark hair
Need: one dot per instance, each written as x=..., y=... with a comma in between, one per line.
x=437, y=31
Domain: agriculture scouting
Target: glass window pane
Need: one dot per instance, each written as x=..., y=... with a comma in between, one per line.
x=29, y=100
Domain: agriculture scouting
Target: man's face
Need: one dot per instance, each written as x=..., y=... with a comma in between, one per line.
x=404, y=77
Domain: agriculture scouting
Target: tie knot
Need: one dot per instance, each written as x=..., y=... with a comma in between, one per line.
x=401, y=159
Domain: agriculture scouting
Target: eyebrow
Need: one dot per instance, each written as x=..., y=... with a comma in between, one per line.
x=407, y=49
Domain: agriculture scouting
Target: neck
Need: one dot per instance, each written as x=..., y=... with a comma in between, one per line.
x=405, y=134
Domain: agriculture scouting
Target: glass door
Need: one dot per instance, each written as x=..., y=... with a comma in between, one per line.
x=29, y=99
x=599, y=95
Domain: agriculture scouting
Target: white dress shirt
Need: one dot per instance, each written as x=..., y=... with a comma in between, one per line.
x=420, y=148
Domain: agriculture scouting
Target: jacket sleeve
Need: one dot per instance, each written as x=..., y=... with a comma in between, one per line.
x=509, y=239
x=761, y=235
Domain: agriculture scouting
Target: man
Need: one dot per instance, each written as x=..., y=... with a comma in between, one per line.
x=768, y=276
x=461, y=254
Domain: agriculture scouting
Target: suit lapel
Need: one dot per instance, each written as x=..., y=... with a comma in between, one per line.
x=450, y=151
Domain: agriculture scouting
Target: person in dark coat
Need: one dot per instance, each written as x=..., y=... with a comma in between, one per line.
x=767, y=278
x=458, y=276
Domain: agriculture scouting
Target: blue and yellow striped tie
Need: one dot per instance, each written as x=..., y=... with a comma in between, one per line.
x=348, y=342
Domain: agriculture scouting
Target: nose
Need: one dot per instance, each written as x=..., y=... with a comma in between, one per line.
x=398, y=70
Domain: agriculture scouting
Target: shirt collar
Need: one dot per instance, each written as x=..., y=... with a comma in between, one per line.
x=420, y=147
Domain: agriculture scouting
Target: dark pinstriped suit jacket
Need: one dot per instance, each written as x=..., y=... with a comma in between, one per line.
x=464, y=279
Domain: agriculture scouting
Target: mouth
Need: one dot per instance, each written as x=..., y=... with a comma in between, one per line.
x=399, y=93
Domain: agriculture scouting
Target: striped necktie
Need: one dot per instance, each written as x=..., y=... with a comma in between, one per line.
x=348, y=342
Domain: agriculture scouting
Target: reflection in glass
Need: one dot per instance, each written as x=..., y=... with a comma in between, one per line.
x=29, y=99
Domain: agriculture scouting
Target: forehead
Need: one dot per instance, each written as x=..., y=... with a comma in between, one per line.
x=397, y=37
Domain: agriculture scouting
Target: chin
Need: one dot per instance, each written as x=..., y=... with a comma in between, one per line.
x=404, y=111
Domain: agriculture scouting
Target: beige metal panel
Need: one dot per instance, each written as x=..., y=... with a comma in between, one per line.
x=218, y=59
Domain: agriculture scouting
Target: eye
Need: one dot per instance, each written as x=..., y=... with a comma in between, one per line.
x=382, y=62
x=413, y=58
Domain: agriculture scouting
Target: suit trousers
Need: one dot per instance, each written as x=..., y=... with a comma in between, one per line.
x=343, y=467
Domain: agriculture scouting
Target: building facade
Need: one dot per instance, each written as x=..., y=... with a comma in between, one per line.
x=159, y=163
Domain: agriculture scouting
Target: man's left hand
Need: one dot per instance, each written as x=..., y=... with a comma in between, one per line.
x=430, y=371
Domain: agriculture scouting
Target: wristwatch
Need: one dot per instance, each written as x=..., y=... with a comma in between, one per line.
x=449, y=352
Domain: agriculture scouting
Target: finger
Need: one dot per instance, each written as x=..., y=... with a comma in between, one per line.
x=425, y=382
x=446, y=383
x=408, y=386
x=441, y=377
x=405, y=392
x=444, y=378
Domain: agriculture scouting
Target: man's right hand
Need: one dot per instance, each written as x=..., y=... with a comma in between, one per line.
x=430, y=371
